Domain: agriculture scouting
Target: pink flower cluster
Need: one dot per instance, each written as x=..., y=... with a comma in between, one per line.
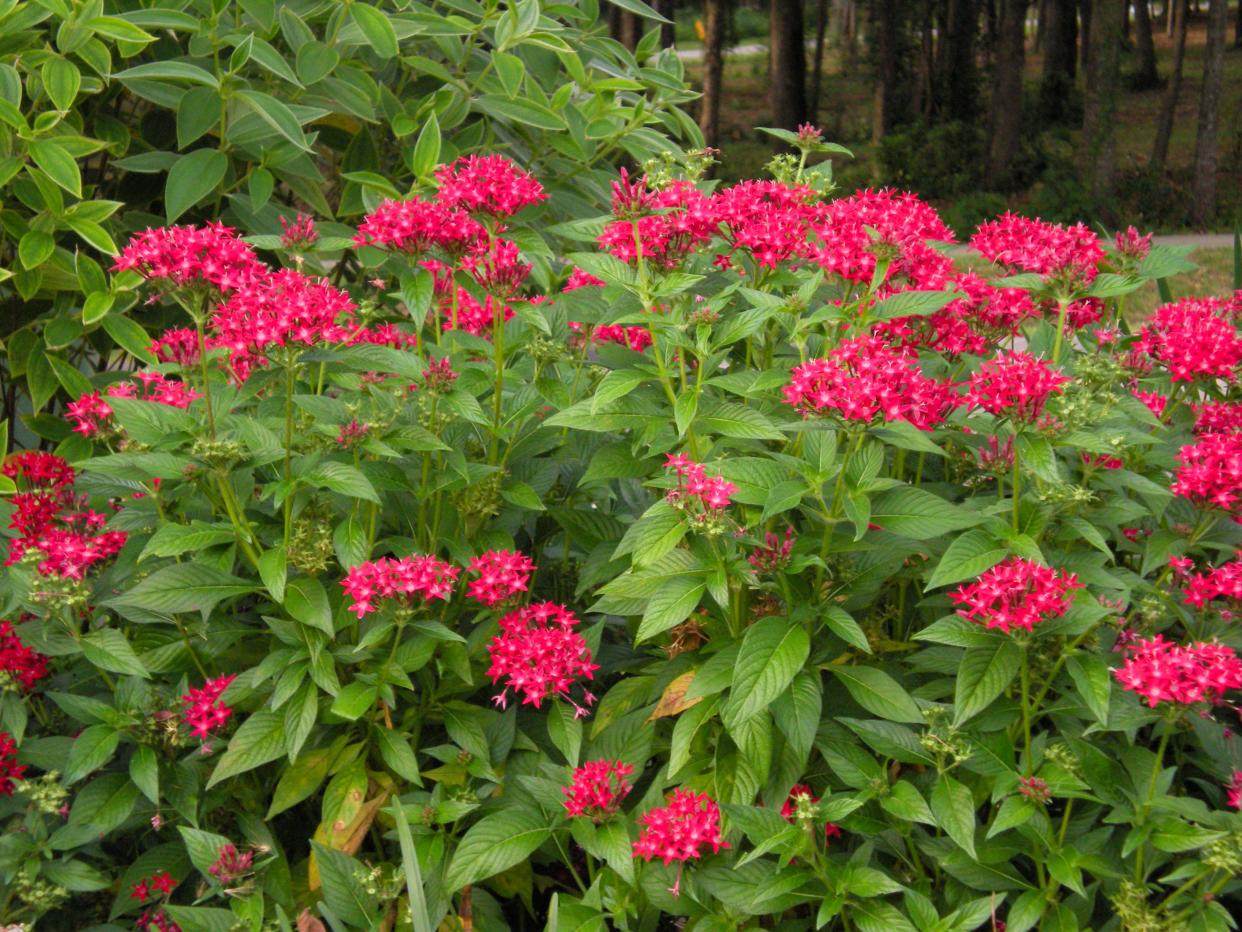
x=1015, y=385
x=1222, y=582
x=1162, y=671
x=231, y=865
x=1234, y=790
x=973, y=324
x=499, y=576
x=598, y=789
x=539, y=655
x=714, y=493
x=1014, y=594
x=1211, y=472
x=179, y=345
x=1048, y=249
x=773, y=553
x=204, y=712
x=863, y=379
x=10, y=769
x=53, y=522
x=405, y=579
x=1193, y=338
x=1218, y=417
x=211, y=256
x=487, y=184
x=680, y=830
x=19, y=663
x=660, y=227
x=636, y=338
x=90, y=414
x=418, y=226
x=300, y=234
x=155, y=921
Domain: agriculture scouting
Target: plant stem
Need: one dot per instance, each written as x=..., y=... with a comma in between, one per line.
x=1017, y=487
x=1151, y=792
x=202, y=362
x=1056, y=344
x=498, y=343
x=290, y=376
x=1026, y=708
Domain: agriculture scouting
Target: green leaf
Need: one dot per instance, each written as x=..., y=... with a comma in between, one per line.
x=91, y=749
x=300, y=779
x=773, y=652
x=192, y=179
x=954, y=809
x=878, y=693
x=343, y=478
x=62, y=81
x=342, y=892
x=203, y=849
x=730, y=419
x=354, y=699
x=273, y=570
x=670, y=606
x=259, y=740
x=145, y=772
x=34, y=248
x=130, y=336
x=639, y=8
x=276, y=115
x=427, y=149
x=565, y=730
x=202, y=918
x=843, y=625
x=378, y=30
x=912, y=304
x=416, y=898
x=315, y=61
x=182, y=587
x=984, y=674
x=168, y=71
x=114, y=27
x=1094, y=682
x=399, y=755
x=520, y=110
x=494, y=844
x=197, y=112
x=307, y=602
x=653, y=535
x=108, y=650
x=969, y=555
x=171, y=540
x=57, y=164
x=918, y=514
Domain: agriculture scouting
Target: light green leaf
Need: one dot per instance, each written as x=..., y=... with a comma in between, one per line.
x=108, y=650
x=773, y=652
x=259, y=740
x=494, y=844
x=969, y=555
x=670, y=606
x=878, y=693
x=954, y=809
x=984, y=674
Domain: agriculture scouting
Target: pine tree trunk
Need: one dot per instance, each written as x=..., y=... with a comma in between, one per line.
x=1164, y=125
x=1084, y=13
x=884, y=33
x=787, y=64
x=1005, y=111
x=1100, y=102
x=713, y=70
x=958, y=77
x=817, y=69
x=924, y=93
x=1206, y=140
x=626, y=28
x=1060, y=59
x=1147, y=75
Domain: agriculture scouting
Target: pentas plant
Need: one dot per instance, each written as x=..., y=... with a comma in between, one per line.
x=746, y=556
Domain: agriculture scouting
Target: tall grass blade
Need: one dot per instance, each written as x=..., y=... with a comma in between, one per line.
x=413, y=873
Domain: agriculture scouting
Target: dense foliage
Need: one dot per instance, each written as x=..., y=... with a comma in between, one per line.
x=235, y=111
x=757, y=564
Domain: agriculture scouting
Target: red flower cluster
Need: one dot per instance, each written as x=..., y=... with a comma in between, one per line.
x=487, y=184
x=1048, y=249
x=10, y=769
x=1015, y=385
x=155, y=921
x=1193, y=338
x=160, y=883
x=598, y=789
x=283, y=308
x=680, y=830
x=636, y=338
x=417, y=226
x=179, y=345
x=53, y=522
x=766, y=219
x=1130, y=244
x=714, y=492
x=501, y=574
x=407, y=578
x=661, y=227
x=300, y=234
x=211, y=256
x=774, y=553
x=230, y=865
x=1153, y=401
x=1234, y=790
x=1211, y=471
x=90, y=413
x=865, y=378
x=1218, y=417
x=19, y=663
x=1161, y=671
x=539, y=655
x=971, y=324
x=1223, y=582
x=204, y=712
x=1016, y=594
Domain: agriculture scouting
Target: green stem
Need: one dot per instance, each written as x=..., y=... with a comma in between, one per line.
x=1017, y=487
x=1164, y=904
x=290, y=377
x=1151, y=792
x=1026, y=708
x=498, y=343
x=1056, y=345
x=202, y=362
x=185, y=637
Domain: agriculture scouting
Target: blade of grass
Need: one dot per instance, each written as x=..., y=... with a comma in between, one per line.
x=1237, y=254
x=413, y=873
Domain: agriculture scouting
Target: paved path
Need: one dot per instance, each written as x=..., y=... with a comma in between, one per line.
x=1198, y=240
x=749, y=48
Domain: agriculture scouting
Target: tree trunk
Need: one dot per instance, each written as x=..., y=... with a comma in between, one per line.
x=667, y=9
x=817, y=69
x=787, y=64
x=1060, y=60
x=713, y=69
x=626, y=28
x=924, y=93
x=1100, y=102
x=1237, y=28
x=957, y=61
x=1170, y=16
x=1206, y=141
x=884, y=33
x=1084, y=13
x=1005, y=111
x=1147, y=75
x=1164, y=125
